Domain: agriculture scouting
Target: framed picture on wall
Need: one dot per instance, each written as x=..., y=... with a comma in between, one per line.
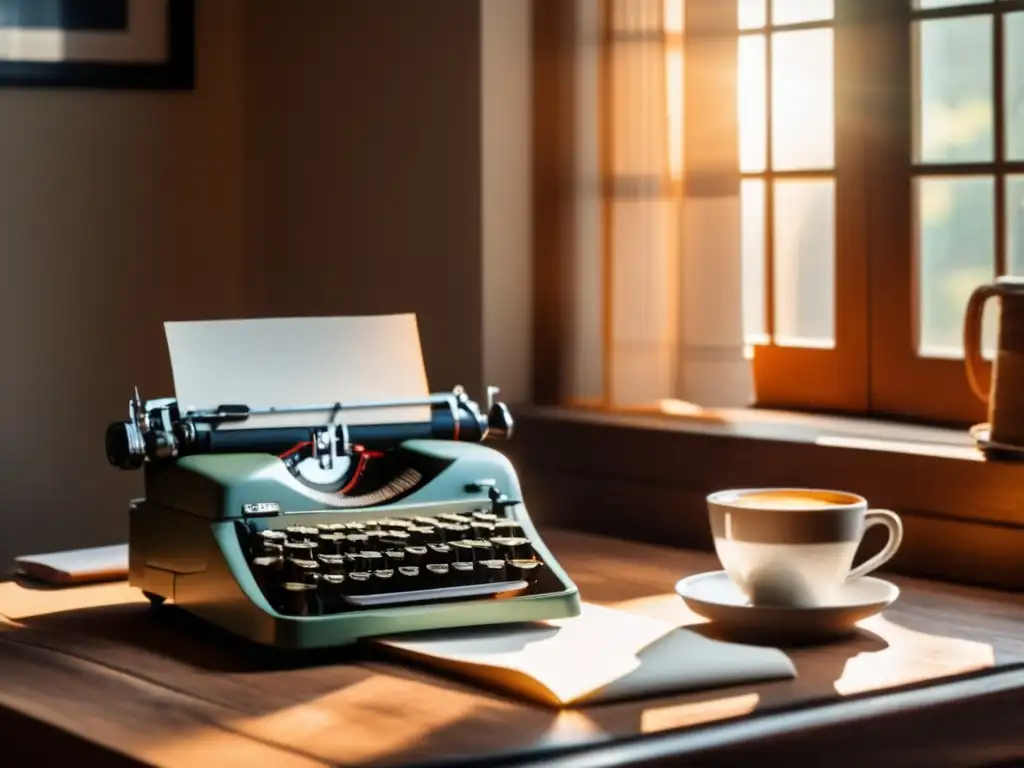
x=139, y=44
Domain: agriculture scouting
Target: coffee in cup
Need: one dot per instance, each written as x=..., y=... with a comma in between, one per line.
x=795, y=546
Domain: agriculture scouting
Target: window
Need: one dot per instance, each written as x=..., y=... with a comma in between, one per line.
x=951, y=207
x=898, y=184
x=880, y=173
x=801, y=205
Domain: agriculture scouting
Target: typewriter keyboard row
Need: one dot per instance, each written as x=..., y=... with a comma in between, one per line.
x=313, y=570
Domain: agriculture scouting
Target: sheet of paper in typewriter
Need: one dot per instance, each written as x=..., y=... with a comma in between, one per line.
x=302, y=361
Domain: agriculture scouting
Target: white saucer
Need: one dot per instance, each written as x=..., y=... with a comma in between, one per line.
x=714, y=596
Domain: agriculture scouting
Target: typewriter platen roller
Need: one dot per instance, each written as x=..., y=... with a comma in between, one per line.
x=306, y=537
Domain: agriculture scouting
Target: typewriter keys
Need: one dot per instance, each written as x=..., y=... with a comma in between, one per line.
x=524, y=570
x=332, y=564
x=300, y=599
x=356, y=542
x=416, y=556
x=481, y=530
x=492, y=570
x=301, y=533
x=482, y=550
x=395, y=538
x=332, y=543
x=462, y=573
x=331, y=590
x=463, y=551
x=512, y=548
x=332, y=567
x=300, y=550
x=264, y=543
x=382, y=581
x=267, y=571
x=452, y=532
x=301, y=571
x=407, y=578
x=438, y=553
x=394, y=558
x=507, y=529
x=454, y=518
x=437, y=575
x=422, y=534
x=358, y=583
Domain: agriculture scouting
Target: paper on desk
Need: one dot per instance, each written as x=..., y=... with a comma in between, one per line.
x=302, y=361
x=77, y=566
x=602, y=655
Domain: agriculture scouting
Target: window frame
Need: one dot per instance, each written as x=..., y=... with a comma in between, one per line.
x=902, y=381
x=807, y=378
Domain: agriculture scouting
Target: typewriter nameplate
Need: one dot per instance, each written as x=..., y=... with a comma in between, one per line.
x=261, y=508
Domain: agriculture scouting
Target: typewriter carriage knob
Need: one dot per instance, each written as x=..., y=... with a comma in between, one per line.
x=125, y=445
x=499, y=417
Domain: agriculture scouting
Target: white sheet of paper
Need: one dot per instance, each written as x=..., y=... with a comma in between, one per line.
x=570, y=657
x=304, y=361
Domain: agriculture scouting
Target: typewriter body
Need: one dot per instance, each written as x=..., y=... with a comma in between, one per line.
x=303, y=538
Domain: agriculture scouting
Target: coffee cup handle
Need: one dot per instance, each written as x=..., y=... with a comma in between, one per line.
x=891, y=521
x=974, y=361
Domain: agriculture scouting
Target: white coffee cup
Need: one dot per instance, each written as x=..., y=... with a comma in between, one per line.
x=795, y=546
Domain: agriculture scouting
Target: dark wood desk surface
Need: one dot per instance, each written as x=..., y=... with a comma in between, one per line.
x=93, y=663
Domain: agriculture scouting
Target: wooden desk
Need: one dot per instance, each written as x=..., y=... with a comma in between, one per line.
x=90, y=669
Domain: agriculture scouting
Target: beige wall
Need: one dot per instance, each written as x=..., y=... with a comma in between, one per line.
x=354, y=157
x=506, y=196
x=363, y=167
x=117, y=211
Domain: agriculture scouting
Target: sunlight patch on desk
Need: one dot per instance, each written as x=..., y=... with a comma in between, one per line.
x=911, y=657
x=697, y=712
x=17, y=602
x=571, y=726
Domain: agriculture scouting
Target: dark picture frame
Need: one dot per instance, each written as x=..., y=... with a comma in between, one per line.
x=175, y=72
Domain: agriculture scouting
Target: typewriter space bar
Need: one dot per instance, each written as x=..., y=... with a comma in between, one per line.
x=467, y=592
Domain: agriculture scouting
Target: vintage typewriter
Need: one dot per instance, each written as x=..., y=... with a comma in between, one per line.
x=308, y=537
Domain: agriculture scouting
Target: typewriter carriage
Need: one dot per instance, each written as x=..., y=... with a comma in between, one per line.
x=157, y=430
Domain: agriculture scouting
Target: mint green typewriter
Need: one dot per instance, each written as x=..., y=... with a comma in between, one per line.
x=304, y=538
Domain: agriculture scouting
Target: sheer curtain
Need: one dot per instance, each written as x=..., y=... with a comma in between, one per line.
x=657, y=306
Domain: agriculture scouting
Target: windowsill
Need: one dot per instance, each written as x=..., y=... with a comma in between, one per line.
x=788, y=426
x=645, y=476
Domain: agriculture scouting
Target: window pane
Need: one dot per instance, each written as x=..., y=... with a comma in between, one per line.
x=953, y=90
x=805, y=263
x=752, y=14
x=752, y=249
x=672, y=15
x=797, y=11
x=752, y=106
x=956, y=253
x=1013, y=60
x=803, y=125
x=1015, y=225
